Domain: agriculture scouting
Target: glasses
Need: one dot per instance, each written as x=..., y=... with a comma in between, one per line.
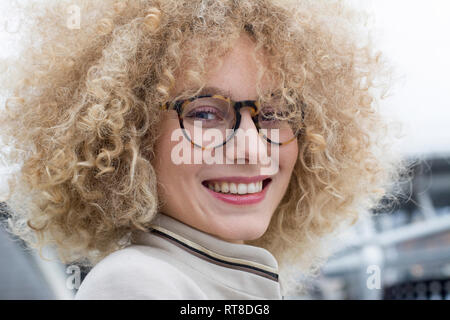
x=222, y=114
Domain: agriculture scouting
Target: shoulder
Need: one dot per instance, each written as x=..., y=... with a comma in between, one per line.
x=137, y=272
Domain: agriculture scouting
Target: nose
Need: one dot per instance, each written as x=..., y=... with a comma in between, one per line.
x=247, y=141
x=246, y=119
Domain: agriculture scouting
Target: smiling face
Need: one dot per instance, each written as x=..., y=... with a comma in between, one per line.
x=237, y=209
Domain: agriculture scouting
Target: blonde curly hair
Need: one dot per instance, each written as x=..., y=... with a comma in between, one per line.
x=84, y=108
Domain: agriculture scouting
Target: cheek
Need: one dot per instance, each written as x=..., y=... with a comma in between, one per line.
x=170, y=172
x=288, y=157
x=162, y=152
x=164, y=166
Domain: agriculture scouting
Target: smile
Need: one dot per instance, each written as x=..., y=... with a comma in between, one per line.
x=238, y=191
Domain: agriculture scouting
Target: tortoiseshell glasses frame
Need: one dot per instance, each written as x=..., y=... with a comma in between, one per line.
x=255, y=108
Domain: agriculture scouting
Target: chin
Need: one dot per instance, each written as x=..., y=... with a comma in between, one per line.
x=245, y=232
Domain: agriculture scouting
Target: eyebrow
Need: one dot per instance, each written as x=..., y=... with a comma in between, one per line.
x=216, y=90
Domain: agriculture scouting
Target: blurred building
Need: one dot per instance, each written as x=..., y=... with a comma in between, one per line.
x=405, y=248
x=24, y=274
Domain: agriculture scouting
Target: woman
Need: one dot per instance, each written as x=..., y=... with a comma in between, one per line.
x=195, y=149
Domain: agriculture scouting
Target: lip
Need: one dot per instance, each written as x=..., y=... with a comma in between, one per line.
x=237, y=179
x=236, y=199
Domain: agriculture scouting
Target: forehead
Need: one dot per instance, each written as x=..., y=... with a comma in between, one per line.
x=234, y=74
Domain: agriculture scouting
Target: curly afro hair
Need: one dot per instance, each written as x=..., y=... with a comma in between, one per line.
x=83, y=112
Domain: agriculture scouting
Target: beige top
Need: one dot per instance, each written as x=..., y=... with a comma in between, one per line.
x=176, y=261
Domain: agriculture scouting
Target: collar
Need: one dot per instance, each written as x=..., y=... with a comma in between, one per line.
x=242, y=257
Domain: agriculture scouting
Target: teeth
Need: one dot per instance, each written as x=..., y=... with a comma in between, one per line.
x=231, y=187
x=225, y=188
x=251, y=188
x=242, y=188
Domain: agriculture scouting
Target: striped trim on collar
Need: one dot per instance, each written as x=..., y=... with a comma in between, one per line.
x=213, y=257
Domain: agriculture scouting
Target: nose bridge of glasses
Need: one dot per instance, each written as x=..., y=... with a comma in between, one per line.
x=254, y=107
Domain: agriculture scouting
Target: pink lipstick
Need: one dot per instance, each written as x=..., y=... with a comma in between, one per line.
x=240, y=199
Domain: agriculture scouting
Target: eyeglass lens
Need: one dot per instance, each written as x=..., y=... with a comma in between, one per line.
x=212, y=114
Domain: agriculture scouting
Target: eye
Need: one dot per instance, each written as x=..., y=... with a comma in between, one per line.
x=205, y=113
x=208, y=110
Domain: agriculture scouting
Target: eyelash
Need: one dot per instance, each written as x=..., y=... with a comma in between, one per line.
x=203, y=109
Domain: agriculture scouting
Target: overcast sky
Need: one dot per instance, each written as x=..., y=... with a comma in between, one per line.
x=415, y=36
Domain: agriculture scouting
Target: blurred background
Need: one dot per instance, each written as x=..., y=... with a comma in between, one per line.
x=403, y=253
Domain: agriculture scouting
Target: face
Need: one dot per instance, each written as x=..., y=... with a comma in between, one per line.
x=183, y=188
